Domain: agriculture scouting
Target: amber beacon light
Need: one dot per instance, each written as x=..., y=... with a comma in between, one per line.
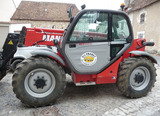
x=122, y=6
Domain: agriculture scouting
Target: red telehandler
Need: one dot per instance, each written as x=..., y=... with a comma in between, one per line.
x=97, y=47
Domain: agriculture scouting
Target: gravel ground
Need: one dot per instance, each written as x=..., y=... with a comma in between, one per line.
x=99, y=100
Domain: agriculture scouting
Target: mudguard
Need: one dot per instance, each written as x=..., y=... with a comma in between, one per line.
x=48, y=53
x=142, y=53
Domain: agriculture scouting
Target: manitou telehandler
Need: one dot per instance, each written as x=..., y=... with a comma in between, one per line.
x=96, y=48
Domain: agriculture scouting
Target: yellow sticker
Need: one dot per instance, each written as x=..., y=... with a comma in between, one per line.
x=10, y=42
x=88, y=58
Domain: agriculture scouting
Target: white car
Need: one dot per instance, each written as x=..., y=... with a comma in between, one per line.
x=25, y=52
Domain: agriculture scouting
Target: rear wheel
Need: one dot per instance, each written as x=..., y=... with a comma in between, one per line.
x=38, y=82
x=136, y=77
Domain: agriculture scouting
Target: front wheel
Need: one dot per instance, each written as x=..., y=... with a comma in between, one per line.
x=136, y=77
x=38, y=81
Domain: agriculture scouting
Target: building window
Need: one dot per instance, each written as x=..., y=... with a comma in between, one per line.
x=140, y=35
x=142, y=18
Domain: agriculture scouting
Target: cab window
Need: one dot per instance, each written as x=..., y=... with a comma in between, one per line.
x=92, y=26
x=120, y=30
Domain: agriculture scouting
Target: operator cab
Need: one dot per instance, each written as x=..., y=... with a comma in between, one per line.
x=95, y=39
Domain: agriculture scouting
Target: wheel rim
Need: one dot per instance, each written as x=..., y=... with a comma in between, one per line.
x=139, y=78
x=39, y=83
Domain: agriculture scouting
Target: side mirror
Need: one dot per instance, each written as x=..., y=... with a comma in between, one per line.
x=70, y=12
x=55, y=42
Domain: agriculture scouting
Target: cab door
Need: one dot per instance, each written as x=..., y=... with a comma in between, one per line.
x=88, y=41
x=88, y=47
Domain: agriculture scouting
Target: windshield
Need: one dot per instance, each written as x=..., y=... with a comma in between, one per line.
x=91, y=26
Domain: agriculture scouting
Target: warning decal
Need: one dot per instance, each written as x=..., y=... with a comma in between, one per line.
x=10, y=42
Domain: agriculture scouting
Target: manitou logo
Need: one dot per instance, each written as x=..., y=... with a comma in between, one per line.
x=51, y=37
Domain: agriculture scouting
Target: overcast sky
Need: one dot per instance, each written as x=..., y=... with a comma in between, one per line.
x=90, y=4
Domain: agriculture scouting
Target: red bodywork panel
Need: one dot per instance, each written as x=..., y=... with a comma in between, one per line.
x=109, y=75
x=136, y=45
x=78, y=78
x=37, y=34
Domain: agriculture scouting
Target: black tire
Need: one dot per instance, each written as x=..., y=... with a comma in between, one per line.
x=136, y=77
x=33, y=76
x=15, y=64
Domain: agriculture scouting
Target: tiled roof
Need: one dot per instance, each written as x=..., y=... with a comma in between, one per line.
x=138, y=4
x=43, y=11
